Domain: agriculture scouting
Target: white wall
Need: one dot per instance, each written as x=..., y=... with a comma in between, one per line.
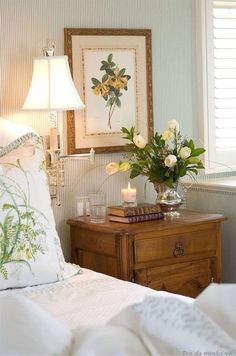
x=25, y=26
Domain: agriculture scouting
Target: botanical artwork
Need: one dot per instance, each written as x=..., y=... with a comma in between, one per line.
x=22, y=227
x=114, y=81
x=112, y=71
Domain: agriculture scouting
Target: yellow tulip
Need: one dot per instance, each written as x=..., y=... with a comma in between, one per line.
x=167, y=135
x=124, y=166
x=112, y=168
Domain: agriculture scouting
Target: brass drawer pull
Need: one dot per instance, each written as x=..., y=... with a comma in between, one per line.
x=179, y=249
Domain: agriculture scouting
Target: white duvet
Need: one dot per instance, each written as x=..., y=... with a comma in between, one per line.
x=93, y=314
x=166, y=326
x=86, y=300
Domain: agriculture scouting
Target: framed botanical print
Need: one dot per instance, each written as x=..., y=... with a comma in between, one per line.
x=112, y=71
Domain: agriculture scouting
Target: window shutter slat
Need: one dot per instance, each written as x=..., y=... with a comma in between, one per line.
x=224, y=42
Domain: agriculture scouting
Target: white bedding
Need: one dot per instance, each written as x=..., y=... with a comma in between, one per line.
x=162, y=326
x=93, y=314
x=26, y=329
x=88, y=299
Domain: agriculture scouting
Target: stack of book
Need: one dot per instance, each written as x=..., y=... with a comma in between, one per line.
x=141, y=212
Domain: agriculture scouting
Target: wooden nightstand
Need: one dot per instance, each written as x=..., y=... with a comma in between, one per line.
x=180, y=255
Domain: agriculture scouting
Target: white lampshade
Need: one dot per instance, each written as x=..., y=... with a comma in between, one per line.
x=52, y=87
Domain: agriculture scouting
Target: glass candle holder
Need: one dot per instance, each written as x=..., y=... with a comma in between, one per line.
x=128, y=196
x=81, y=206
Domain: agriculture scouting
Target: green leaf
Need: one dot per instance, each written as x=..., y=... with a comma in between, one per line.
x=124, y=130
x=191, y=145
x=122, y=72
x=197, y=151
x=193, y=160
x=95, y=81
x=105, y=77
x=200, y=165
x=103, y=67
x=7, y=206
x=116, y=91
x=134, y=173
x=159, y=173
x=182, y=171
x=109, y=58
x=118, y=102
x=110, y=72
x=111, y=101
x=169, y=182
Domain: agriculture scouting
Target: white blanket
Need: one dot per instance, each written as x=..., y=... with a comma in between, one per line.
x=167, y=326
x=26, y=329
x=88, y=299
x=159, y=325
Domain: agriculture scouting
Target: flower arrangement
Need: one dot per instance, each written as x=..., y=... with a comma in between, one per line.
x=168, y=157
x=111, y=85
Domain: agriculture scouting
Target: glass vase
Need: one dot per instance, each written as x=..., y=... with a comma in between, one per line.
x=168, y=198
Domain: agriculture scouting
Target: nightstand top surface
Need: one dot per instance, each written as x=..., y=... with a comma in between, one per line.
x=187, y=217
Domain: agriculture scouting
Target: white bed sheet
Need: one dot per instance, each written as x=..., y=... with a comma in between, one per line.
x=87, y=300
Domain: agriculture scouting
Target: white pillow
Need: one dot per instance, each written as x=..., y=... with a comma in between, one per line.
x=26, y=329
x=30, y=250
x=10, y=131
x=219, y=302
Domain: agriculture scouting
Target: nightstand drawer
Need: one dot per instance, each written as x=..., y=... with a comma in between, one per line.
x=176, y=247
x=188, y=278
x=100, y=243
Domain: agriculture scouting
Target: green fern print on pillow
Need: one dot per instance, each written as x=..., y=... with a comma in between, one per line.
x=22, y=228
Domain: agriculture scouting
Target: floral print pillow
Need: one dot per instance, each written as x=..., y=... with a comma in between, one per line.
x=30, y=250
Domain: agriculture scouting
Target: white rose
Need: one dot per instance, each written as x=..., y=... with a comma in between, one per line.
x=185, y=152
x=139, y=141
x=173, y=125
x=170, y=160
x=112, y=168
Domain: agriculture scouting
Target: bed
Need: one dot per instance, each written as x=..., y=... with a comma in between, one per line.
x=48, y=306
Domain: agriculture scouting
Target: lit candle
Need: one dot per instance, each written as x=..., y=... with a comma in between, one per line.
x=128, y=194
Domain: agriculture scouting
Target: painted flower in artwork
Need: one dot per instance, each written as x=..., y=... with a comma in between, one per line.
x=114, y=81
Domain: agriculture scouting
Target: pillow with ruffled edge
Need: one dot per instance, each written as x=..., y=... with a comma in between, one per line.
x=30, y=249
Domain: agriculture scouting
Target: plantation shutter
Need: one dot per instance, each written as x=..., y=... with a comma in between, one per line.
x=224, y=32
x=220, y=39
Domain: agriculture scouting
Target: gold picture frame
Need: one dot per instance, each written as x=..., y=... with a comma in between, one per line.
x=112, y=71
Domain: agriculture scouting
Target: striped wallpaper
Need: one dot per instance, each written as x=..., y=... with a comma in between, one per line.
x=27, y=24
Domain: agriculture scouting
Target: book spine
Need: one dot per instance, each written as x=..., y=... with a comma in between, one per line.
x=141, y=211
x=145, y=217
